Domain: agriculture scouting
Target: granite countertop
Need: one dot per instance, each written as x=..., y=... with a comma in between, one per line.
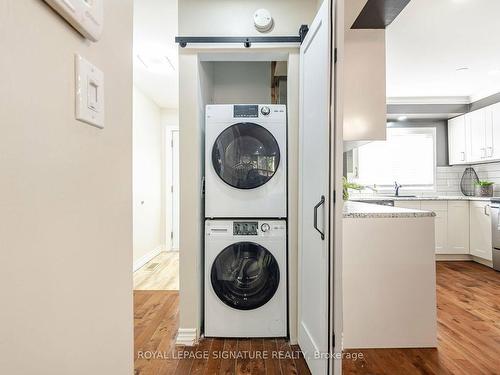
x=371, y=198
x=360, y=210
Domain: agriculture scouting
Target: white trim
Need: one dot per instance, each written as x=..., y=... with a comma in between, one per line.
x=463, y=257
x=429, y=100
x=453, y=257
x=482, y=261
x=186, y=337
x=484, y=94
x=146, y=258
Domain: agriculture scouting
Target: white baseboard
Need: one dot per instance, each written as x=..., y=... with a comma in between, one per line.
x=146, y=258
x=462, y=257
x=186, y=337
x=453, y=257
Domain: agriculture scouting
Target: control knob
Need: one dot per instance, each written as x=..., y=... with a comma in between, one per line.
x=265, y=111
x=265, y=227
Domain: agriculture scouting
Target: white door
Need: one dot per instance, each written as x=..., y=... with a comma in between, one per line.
x=456, y=140
x=493, y=132
x=314, y=167
x=175, y=218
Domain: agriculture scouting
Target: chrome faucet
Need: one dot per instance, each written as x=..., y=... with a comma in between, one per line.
x=396, y=188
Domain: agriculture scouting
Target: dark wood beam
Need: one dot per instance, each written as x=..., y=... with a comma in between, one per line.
x=378, y=14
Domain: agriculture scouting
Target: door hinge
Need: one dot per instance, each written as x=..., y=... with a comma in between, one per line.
x=334, y=196
x=335, y=55
x=333, y=341
x=171, y=235
x=172, y=188
x=172, y=143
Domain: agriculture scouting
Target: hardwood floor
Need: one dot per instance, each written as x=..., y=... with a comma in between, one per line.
x=468, y=296
x=156, y=323
x=468, y=299
x=160, y=273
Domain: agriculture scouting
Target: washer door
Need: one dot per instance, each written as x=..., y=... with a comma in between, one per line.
x=245, y=276
x=245, y=155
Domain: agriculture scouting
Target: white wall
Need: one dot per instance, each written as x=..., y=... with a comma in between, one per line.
x=148, y=173
x=228, y=17
x=65, y=197
x=242, y=82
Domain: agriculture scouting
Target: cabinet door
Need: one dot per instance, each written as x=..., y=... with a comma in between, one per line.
x=457, y=140
x=493, y=132
x=413, y=205
x=458, y=227
x=440, y=224
x=480, y=230
x=476, y=129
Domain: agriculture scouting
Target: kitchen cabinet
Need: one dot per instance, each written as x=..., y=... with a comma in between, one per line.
x=457, y=150
x=440, y=208
x=480, y=230
x=476, y=135
x=493, y=132
x=451, y=224
x=458, y=227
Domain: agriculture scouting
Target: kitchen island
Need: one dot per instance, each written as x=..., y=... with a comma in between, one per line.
x=389, y=277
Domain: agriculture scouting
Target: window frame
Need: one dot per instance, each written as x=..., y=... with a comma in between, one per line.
x=412, y=187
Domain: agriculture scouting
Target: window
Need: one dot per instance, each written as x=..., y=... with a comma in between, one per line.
x=408, y=156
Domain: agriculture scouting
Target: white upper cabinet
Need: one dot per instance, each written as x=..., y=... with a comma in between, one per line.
x=456, y=140
x=476, y=135
x=493, y=132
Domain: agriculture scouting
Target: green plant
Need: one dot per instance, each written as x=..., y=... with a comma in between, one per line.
x=484, y=183
x=349, y=185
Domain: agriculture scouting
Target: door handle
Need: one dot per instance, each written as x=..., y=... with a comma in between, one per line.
x=321, y=201
x=485, y=210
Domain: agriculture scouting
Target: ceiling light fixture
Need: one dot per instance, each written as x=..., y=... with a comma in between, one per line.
x=462, y=69
x=402, y=118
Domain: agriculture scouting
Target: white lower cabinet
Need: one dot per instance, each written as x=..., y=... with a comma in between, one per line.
x=458, y=227
x=451, y=223
x=480, y=230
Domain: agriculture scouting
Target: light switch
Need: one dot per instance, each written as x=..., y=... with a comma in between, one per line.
x=89, y=93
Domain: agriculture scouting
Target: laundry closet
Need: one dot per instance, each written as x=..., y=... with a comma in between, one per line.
x=255, y=200
x=245, y=196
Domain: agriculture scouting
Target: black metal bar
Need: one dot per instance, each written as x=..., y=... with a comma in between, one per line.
x=247, y=41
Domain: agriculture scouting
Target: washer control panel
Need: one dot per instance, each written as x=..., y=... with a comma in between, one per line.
x=245, y=228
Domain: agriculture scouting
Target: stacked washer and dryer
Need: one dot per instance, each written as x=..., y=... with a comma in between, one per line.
x=245, y=221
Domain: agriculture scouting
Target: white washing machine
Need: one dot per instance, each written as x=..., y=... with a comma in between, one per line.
x=245, y=161
x=245, y=278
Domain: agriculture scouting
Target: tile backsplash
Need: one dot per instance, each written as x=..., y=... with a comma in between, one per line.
x=448, y=180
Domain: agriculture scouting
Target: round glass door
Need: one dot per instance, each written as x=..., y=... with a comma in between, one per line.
x=245, y=276
x=245, y=155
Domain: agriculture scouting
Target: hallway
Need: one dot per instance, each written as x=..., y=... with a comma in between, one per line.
x=468, y=334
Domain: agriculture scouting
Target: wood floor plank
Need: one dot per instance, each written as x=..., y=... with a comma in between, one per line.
x=468, y=308
x=468, y=297
x=228, y=364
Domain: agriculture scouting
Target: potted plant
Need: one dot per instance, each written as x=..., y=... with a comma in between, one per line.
x=484, y=188
x=349, y=185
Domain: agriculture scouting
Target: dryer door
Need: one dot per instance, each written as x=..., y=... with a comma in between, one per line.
x=245, y=276
x=245, y=155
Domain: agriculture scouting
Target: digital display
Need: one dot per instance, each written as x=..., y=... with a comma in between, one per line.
x=246, y=111
x=245, y=228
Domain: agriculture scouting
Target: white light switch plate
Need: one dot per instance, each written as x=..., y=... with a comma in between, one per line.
x=89, y=93
x=86, y=16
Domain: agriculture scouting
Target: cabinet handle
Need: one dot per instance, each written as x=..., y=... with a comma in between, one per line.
x=490, y=152
x=322, y=201
x=485, y=210
x=462, y=158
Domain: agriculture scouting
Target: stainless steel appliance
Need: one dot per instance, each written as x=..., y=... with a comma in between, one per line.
x=495, y=232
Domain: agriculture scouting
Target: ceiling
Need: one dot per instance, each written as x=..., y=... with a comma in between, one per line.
x=444, y=48
x=155, y=52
